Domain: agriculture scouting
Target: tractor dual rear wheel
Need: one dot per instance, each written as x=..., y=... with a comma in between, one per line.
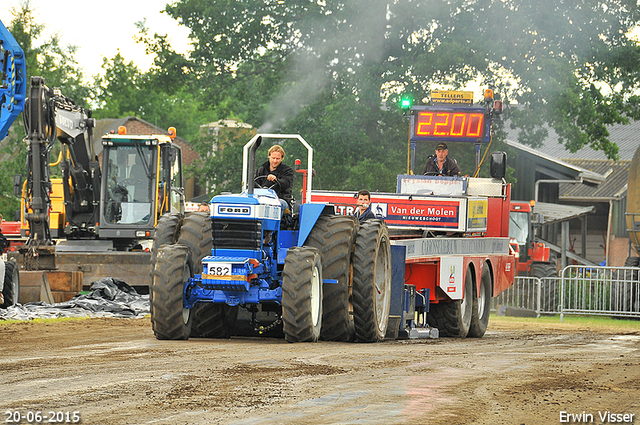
x=334, y=236
x=371, y=281
x=302, y=295
x=166, y=233
x=169, y=318
x=209, y=320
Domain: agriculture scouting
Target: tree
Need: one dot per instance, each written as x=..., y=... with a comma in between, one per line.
x=570, y=65
x=59, y=68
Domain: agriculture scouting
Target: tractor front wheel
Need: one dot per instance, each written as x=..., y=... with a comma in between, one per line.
x=169, y=318
x=302, y=295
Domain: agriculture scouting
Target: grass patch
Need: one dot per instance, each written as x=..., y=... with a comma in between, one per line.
x=572, y=320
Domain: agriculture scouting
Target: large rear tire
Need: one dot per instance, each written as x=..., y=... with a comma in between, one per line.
x=371, y=281
x=166, y=233
x=625, y=289
x=302, y=295
x=11, y=288
x=454, y=318
x=481, y=306
x=334, y=236
x=548, y=286
x=169, y=318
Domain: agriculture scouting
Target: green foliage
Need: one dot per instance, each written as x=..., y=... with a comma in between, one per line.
x=569, y=65
x=334, y=72
x=223, y=163
x=13, y=154
x=57, y=65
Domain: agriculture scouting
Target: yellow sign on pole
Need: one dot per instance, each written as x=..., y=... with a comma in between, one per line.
x=452, y=97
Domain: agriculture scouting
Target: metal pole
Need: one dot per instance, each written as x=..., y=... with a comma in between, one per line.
x=579, y=180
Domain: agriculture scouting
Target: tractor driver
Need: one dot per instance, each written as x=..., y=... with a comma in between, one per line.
x=440, y=164
x=277, y=176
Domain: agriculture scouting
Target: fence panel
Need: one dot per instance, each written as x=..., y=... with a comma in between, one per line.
x=524, y=293
x=605, y=291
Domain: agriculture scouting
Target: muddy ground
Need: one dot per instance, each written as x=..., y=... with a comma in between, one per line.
x=113, y=371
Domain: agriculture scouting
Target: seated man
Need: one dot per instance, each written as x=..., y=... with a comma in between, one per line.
x=363, y=212
x=275, y=175
x=440, y=164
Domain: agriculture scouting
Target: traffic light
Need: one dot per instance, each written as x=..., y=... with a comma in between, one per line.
x=405, y=102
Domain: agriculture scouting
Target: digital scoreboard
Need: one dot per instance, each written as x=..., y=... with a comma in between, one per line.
x=449, y=123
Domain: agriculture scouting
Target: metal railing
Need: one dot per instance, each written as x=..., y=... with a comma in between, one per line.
x=605, y=291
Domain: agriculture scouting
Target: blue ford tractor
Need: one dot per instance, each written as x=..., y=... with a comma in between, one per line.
x=317, y=275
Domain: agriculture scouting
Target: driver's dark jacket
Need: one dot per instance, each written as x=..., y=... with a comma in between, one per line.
x=284, y=174
x=449, y=168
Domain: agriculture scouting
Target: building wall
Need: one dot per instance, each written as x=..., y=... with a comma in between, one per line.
x=619, y=247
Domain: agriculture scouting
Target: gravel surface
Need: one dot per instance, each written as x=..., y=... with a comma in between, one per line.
x=114, y=371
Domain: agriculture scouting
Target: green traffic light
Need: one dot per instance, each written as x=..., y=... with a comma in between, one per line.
x=405, y=103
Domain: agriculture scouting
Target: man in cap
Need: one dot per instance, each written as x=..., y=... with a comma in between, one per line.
x=440, y=164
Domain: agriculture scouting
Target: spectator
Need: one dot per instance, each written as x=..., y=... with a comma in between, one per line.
x=363, y=211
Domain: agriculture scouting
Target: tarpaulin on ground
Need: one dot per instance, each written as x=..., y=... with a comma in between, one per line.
x=108, y=297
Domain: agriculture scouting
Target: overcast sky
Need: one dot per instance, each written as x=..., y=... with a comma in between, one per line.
x=100, y=29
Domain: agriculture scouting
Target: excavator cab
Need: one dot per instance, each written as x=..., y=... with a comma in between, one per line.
x=143, y=180
x=130, y=183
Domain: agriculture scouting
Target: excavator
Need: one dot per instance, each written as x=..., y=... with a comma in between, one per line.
x=111, y=202
x=88, y=215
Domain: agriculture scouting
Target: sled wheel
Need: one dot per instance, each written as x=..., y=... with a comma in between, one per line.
x=371, y=281
x=169, y=318
x=302, y=295
x=454, y=318
x=481, y=306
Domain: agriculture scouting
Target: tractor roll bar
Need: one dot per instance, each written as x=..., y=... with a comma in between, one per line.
x=248, y=156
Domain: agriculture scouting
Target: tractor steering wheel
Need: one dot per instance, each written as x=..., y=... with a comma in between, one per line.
x=265, y=183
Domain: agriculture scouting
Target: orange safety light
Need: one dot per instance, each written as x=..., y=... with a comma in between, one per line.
x=488, y=95
x=172, y=133
x=122, y=130
x=532, y=203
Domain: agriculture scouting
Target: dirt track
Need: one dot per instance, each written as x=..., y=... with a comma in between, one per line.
x=113, y=371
